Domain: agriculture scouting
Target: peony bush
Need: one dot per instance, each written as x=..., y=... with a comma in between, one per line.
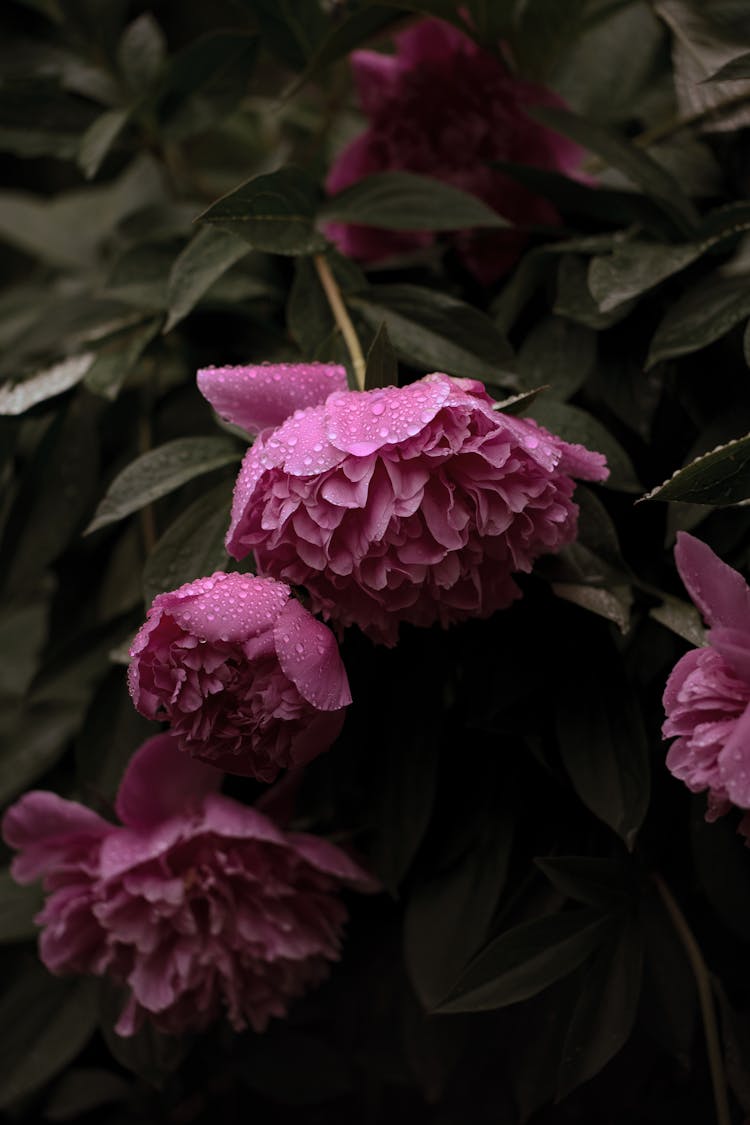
x=373, y=559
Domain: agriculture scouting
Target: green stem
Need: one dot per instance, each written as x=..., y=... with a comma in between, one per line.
x=705, y=1000
x=341, y=316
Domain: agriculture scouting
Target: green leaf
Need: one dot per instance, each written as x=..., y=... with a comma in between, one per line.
x=47, y=1021
x=115, y=361
x=35, y=738
x=17, y=398
x=203, y=261
x=559, y=354
x=605, y=1013
x=578, y=426
x=681, y=618
x=613, y=603
x=141, y=52
x=603, y=743
x=149, y=1053
x=291, y=28
x=67, y=230
x=274, y=212
x=44, y=519
x=110, y=734
x=702, y=315
x=721, y=866
x=633, y=265
x=192, y=546
x=636, y=266
x=574, y=300
x=517, y=404
x=718, y=478
x=435, y=332
x=82, y=1089
x=404, y=804
x=735, y=69
x=382, y=365
x=406, y=201
x=527, y=959
x=606, y=883
x=642, y=171
x=160, y=471
x=99, y=138
x=466, y=893
x=18, y=908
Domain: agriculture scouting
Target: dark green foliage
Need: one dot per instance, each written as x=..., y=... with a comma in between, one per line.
x=504, y=779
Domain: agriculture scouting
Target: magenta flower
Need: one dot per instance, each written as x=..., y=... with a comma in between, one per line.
x=197, y=905
x=707, y=697
x=413, y=504
x=443, y=107
x=248, y=679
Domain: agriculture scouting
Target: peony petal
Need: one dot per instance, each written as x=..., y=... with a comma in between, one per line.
x=317, y=737
x=332, y=860
x=309, y=656
x=734, y=762
x=161, y=781
x=376, y=77
x=44, y=827
x=733, y=645
x=364, y=422
x=256, y=397
x=719, y=592
x=225, y=607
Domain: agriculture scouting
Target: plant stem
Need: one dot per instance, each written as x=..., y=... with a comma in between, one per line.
x=341, y=316
x=705, y=1000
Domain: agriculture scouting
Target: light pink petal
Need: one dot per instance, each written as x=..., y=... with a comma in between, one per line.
x=251, y=470
x=582, y=463
x=317, y=736
x=309, y=656
x=734, y=762
x=376, y=77
x=43, y=816
x=332, y=860
x=734, y=646
x=126, y=848
x=719, y=592
x=301, y=445
x=229, y=818
x=363, y=422
x=264, y=395
x=225, y=607
x=431, y=41
x=682, y=669
x=161, y=781
x=47, y=830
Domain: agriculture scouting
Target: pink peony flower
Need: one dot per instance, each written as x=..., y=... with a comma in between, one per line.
x=248, y=679
x=196, y=905
x=443, y=107
x=413, y=503
x=707, y=697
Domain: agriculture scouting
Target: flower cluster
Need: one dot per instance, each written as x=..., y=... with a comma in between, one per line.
x=707, y=697
x=405, y=504
x=445, y=108
x=248, y=679
x=195, y=903
x=415, y=504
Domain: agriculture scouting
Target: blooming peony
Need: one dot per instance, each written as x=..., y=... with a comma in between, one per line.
x=443, y=107
x=413, y=503
x=248, y=679
x=707, y=697
x=196, y=905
